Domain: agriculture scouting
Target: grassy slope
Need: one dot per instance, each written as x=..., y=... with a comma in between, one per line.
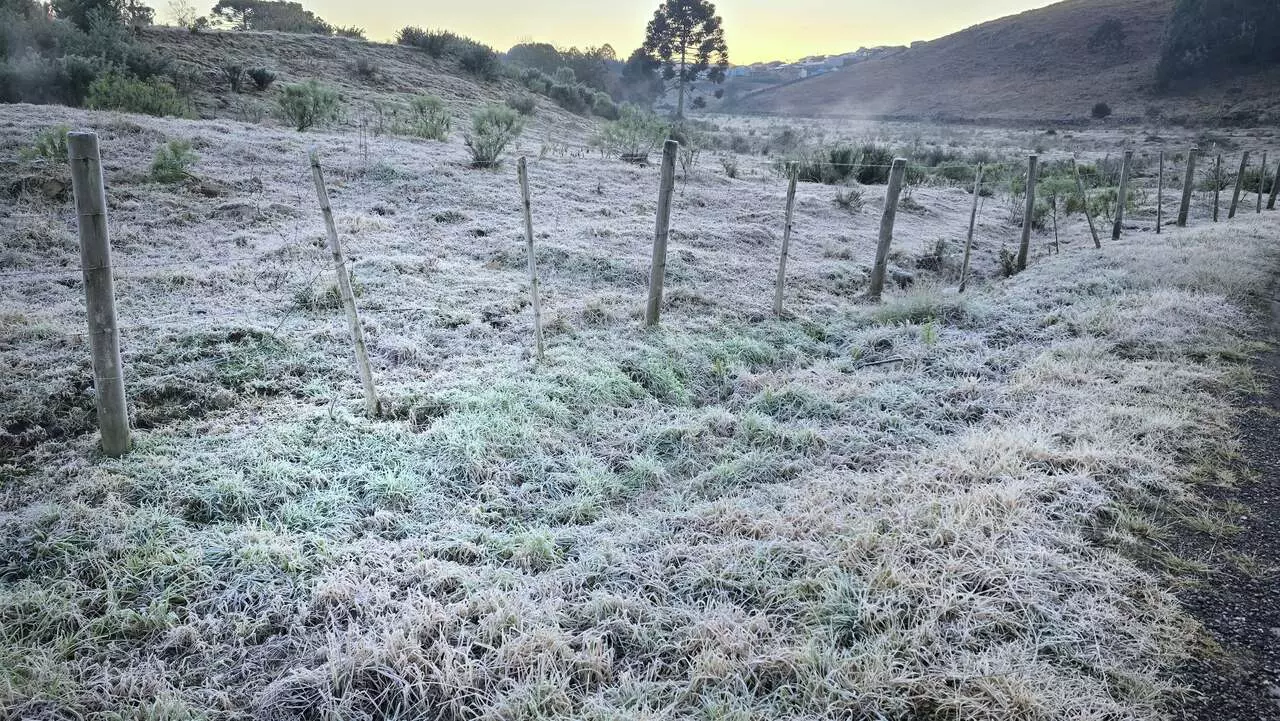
x=728, y=518
x=400, y=73
x=1036, y=65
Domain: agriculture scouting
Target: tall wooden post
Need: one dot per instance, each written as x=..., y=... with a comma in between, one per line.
x=99, y=291
x=662, y=230
x=786, y=238
x=372, y=405
x=1262, y=179
x=522, y=173
x=1275, y=188
x=1084, y=201
x=973, y=221
x=896, y=174
x=1028, y=216
x=1235, y=196
x=1188, y=185
x=1160, y=195
x=1217, y=187
x=1122, y=194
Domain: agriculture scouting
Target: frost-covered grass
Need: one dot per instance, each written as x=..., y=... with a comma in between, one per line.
x=939, y=507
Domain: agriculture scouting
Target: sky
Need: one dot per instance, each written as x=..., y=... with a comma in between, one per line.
x=756, y=30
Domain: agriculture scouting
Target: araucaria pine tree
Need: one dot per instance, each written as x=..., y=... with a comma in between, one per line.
x=686, y=39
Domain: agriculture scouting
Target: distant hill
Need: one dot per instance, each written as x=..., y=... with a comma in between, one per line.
x=1051, y=64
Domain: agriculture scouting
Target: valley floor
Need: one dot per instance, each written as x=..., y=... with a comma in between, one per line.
x=943, y=506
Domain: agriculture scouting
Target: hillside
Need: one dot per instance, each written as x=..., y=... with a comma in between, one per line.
x=366, y=73
x=1047, y=64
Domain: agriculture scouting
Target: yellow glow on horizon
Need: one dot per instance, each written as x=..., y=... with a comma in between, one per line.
x=756, y=30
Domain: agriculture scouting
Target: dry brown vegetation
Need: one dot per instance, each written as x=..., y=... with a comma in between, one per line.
x=939, y=507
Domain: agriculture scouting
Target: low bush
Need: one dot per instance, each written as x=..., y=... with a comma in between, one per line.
x=602, y=104
x=1101, y=111
x=172, y=161
x=730, y=165
x=117, y=92
x=576, y=99
x=262, y=78
x=492, y=129
x=50, y=146
x=873, y=164
x=633, y=136
x=480, y=61
x=349, y=31
x=850, y=199
x=366, y=70
x=308, y=104
x=428, y=118
x=522, y=103
x=833, y=166
x=234, y=74
x=536, y=80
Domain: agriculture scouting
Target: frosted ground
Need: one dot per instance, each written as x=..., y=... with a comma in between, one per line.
x=940, y=507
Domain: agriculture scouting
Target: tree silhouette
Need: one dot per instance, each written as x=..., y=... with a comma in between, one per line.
x=686, y=39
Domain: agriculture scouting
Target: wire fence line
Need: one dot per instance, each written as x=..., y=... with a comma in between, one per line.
x=336, y=261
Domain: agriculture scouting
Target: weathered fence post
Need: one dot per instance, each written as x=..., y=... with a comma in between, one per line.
x=1028, y=216
x=99, y=291
x=1188, y=185
x=1262, y=179
x=896, y=173
x=1275, y=188
x=522, y=173
x=1235, y=196
x=372, y=406
x=973, y=221
x=786, y=238
x=663, y=228
x=1160, y=195
x=1217, y=187
x=1084, y=202
x=1122, y=194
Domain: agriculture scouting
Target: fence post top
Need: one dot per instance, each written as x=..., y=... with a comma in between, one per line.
x=81, y=144
x=671, y=142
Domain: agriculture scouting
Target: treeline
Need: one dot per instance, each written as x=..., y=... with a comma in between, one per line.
x=1207, y=39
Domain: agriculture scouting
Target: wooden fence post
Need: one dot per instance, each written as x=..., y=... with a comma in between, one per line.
x=1235, y=196
x=973, y=221
x=1217, y=187
x=792, y=172
x=896, y=173
x=1275, y=188
x=1122, y=194
x=1262, y=179
x=658, y=268
x=1028, y=216
x=1188, y=185
x=372, y=405
x=1084, y=201
x=99, y=291
x=522, y=173
x=1160, y=195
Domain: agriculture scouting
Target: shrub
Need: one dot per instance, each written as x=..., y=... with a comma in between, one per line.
x=50, y=145
x=171, y=162
x=349, y=31
x=536, y=80
x=261, y=77
x=411, y=35
x=835, y=166
x=574, y=98
x=308, y=104
x=366, y=69
x=633, y=135
x=730, y=165
x=117, y=92
x=481, y=61
x=602, y=104
x=522, y=103
x=235, y=76
x=565, y=76
x=850, y=199
x=873, y=165
x=1101, y=111
x=428, y=118
x=492, y=129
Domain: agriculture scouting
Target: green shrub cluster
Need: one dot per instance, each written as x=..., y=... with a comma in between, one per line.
x=633, y=136
x=172, y=161
x=522, y=103
x=492, y=128
x=428, y=118
x=50, y=146
x=308, y=104
x=115, y=91
x=473, y=57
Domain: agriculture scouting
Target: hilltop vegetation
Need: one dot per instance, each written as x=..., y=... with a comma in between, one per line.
x=1215, y=39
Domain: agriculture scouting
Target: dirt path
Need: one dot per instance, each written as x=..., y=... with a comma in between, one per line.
x=1241, y=610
